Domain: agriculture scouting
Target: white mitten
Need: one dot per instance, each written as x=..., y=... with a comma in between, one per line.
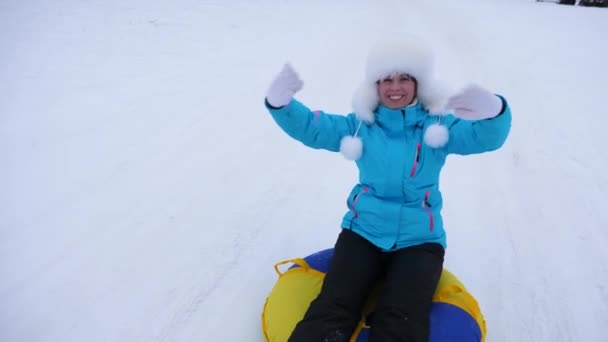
x=475, y=103
x=284, y=87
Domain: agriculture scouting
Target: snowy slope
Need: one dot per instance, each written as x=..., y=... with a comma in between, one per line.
x=146, y=193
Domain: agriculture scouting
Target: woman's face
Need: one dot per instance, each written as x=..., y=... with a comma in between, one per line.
x=397, y=91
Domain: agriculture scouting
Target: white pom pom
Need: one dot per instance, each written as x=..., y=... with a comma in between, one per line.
x=351, y=147
x=436, y=135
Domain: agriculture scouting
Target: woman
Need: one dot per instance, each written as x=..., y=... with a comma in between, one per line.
x=393, y=229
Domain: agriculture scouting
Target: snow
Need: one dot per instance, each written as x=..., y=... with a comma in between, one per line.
x=146, y=194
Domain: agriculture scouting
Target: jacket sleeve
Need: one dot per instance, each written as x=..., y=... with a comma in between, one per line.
x=314, y=129
x=470, y=137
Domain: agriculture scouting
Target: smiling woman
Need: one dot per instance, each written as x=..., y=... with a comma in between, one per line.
x=397, y=90
x=393, y=229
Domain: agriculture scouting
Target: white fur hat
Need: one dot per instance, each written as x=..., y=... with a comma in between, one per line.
x=403, y=54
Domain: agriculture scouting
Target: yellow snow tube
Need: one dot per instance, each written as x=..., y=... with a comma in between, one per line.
x=455, y=314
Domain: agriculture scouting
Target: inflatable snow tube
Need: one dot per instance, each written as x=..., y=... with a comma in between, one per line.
x=455, y=314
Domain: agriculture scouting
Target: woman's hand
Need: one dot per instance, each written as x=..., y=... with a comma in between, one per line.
x=475, y=103
x=283, y=87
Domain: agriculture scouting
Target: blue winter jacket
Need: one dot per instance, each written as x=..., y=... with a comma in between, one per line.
x=397, y=202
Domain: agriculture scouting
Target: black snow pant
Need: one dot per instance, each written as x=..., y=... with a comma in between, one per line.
x=409, y=278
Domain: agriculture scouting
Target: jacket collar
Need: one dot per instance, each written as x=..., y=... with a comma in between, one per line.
x=402, y=118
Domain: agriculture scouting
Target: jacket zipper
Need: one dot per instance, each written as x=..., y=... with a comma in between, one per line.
x=425, y=203
x=416, y=160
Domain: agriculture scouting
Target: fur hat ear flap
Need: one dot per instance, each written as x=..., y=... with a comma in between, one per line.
x=365, y=102
x=433, y=95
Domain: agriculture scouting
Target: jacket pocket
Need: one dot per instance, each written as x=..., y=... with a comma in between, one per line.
x=427, y=207
x=357, y=195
